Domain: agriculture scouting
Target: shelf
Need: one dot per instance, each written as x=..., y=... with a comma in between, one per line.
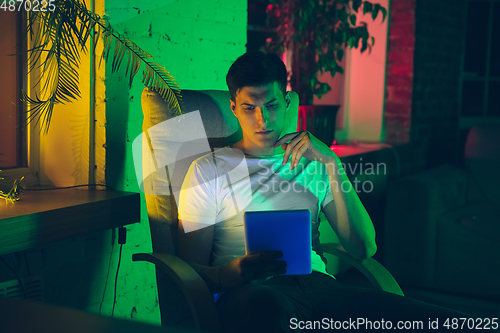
x=43, y=217
x=346, y=151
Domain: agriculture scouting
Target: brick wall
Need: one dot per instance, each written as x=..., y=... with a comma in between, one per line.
x=424, y=58
x=196, y=41
x=399, y=77
x=439, y=35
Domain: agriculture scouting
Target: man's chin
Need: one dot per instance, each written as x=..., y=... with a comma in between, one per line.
x=267, y=142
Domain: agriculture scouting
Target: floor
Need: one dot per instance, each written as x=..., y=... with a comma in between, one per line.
x=480, y=307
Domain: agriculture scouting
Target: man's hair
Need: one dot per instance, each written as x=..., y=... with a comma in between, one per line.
x=254, y=69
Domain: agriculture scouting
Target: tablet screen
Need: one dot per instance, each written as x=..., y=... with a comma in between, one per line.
x=288, y=231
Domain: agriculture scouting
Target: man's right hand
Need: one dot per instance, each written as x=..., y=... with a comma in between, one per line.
x=251, y=267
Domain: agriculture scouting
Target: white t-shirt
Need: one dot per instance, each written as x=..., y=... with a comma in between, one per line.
x=219, y=187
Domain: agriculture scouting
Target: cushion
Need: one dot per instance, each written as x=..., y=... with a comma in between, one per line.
x=482, y=158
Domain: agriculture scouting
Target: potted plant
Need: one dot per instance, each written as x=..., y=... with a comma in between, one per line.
x=317, y=32
x=58, y=36
x=12, y=195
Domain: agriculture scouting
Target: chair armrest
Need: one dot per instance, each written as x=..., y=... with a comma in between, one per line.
x=200, y=299
x=377, y=274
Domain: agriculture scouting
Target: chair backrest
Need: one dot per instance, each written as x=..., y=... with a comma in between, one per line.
x=482, y=158
x=221, y=128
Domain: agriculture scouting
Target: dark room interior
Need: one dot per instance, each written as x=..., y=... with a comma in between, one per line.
x=404, y=94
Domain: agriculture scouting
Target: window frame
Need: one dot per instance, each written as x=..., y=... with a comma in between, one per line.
x=31, y=138
x=466, y=122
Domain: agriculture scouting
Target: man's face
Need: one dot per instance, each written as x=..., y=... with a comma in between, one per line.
x=261, y=113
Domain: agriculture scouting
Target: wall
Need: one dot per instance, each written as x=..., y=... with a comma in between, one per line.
x=361, y=114
x=9, y=84
x=79, y=272
x=364, y=89
x=75, y=272
x=399, y=83
x=196, y=41
x=64, y=150
x=439, y=35
x=425, y=51
x=419, y=112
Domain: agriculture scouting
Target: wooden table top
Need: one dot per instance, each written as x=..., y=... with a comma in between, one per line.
x=42, y=217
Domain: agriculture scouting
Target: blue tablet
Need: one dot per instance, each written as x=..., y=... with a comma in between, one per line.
x=288, y=231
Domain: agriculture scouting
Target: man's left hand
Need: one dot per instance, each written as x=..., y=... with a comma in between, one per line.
x=304, y=144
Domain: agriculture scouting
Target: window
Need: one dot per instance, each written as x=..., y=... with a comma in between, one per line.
x=12, y=143
x=480, y=79
x=18, y=143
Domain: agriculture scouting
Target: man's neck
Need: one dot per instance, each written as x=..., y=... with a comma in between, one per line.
x=257, y=151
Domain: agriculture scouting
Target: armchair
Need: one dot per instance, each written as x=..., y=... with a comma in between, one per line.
x=442, y=225
x=183, y=296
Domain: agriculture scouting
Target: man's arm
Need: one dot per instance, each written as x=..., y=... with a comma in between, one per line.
x=347, y=215
x=195, y=247
x=197, y=218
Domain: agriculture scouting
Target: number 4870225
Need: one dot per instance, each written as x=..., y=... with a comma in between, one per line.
x=28, y=5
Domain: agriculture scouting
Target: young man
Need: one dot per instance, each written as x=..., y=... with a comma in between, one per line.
x=286, y=170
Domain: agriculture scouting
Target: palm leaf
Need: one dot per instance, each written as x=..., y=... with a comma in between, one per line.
x=58, y=38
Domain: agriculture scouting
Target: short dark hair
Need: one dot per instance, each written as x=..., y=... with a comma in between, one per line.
x=254, y=69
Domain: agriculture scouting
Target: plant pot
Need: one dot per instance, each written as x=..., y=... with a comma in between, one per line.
x=319, y=120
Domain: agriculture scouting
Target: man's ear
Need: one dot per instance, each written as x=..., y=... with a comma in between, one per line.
x=292, y=112
x=288, y=99
x=233, y=106
x=292, y=100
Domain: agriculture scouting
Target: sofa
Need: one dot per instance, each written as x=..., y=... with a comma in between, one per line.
x=442, y=225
